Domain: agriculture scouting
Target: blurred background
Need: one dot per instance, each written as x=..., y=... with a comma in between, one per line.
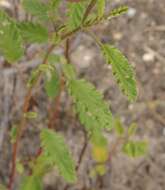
x=140, y=35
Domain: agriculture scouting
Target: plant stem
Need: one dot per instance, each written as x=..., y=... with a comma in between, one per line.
x=23, y=125
x=88, y=10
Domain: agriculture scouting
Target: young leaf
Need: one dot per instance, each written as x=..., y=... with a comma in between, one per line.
x=31, y=183
x=100, y=8
x=11, y=42
x=93, y=112
x=69, y=71
x=58, y=153
x=19, y=167
x=33, y=32
x=100, y=153
x=122, y=70
x=132, y=129
x=75, y=14
x=30, y=115
x=118, y=11
x=36, y=8
x=135, y=148
x=118, y=126
x=52, y=85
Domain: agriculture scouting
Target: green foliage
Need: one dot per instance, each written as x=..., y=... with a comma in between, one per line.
x=36, y=8
x=132, y=129
x=135, y=148
x=118, y=11
x=19, y=167
x=122, y=70
x=69, y=71
x=100, y=8
x=31, y=183
x=13, y=133
x=52, y=85
x=58, y=154
x=33, y=32
x=118, y=127
x=93, y=112
x=47, y=22
x=11, y=42
x=47, y=69
x=30, y=115
x=75, y=14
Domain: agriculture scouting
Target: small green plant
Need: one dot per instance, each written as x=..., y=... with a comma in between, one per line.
x=49, y=24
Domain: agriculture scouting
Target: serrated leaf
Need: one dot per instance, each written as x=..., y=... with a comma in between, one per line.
x=33, y=32
x=93, y=112
x=52, y=85
x=47, y=69
x=118, y=11
x=69, y=71
x=11, y=42
x=36, y=8
x=75, y=14
x=122, y=70
x=58, y=153
x=135, y=148
x=100, y=8
x=32, y=183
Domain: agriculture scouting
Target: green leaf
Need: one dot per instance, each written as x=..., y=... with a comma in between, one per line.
x=122, y=70
x=36, y=8
x=30, y=115
x=54, y=4
x=13, y=133
x=11, y=42
x=32, y=183
x=135, y=148
x=118, y=126
x=69, y=71
x=75, y=14
x=19, y=167
x=33, y=32
x=98, y=138
x=100, y=8
x=52, y=85
x=47, y=69
x=93, y=112
x=118, y=11
x=57, y=152
x=132, y=129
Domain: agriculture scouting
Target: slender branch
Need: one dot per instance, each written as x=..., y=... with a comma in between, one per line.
x=23, y=125
x=83, y=150
x=67, y=48
x=54, y=111
x=88, y=10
